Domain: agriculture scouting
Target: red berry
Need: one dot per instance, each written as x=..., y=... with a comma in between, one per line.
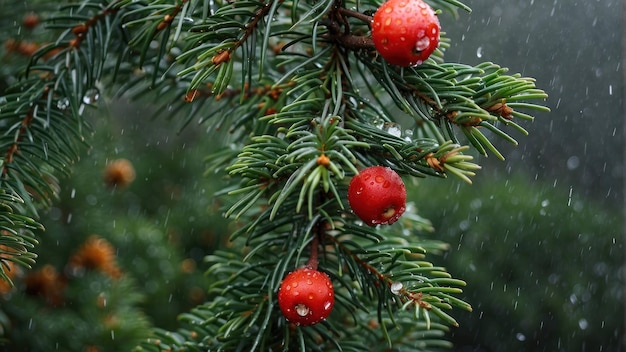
x=306, y=296
x=31, y=20
x=405, y=32
x=377, y=195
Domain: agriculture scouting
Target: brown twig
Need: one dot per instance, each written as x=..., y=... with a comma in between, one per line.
x=314, y=255
x=273, y=92
x=358, y=15
x=224, y=56
x=345, y=38
x=14, y=148
x=169, y=18
x=81, y=30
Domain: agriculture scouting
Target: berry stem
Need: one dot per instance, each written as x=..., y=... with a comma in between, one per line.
x=345, y=37
x=313, y=258
x=358, y=15
x=347, y=40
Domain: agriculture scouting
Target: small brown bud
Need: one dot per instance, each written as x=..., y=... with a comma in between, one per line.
x=221, y=57
x=191, y=95
x=31, y=20
x=161, y=26
x=80, y=30
x=323, y=160
x=119, y=173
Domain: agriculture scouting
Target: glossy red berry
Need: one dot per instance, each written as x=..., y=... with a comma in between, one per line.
x=405, y=32
x=377, y=195
x=306, y=296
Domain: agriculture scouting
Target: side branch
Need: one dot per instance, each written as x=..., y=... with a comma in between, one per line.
x=402, y=292
x=81, y=30
x=169, y=18
x=14, y=148
x=344, y=37
x=224, y=55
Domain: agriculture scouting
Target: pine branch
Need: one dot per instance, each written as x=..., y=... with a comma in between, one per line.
x=17, y=238
x=242, y=314
x=225, y=27
x=44, y=114
x=455, y=95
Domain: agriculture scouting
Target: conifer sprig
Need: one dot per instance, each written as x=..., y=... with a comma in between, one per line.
x=461, y=97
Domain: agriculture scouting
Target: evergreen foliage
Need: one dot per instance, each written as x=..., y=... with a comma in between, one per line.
x=301, y=101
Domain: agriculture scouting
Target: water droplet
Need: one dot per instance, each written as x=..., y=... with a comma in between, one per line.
x=91, y=96
x=583, y=324
x=475, y=204
x=392, y=128
x=302, y=310
x=479, y=52
x=396, y=287
x=327, y=305
x=520, y=337
x=91, y=199
x=63, y=104
x=573, y=162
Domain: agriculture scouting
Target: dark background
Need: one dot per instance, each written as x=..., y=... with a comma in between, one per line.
x=574, y=50
x=539, y=237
